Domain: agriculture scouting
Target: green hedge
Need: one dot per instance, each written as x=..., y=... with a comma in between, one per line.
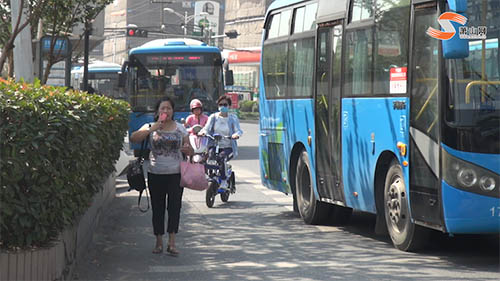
x=57, y=148
x=249, y=106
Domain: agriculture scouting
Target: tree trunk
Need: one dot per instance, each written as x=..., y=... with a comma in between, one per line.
x=11, y=64
x=50, y=63
x=6, y=50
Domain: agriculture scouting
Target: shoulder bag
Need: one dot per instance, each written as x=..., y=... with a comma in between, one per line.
x=135, y=175
x=193, y=175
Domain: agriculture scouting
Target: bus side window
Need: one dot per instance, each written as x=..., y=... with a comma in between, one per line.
x=391, y=44
x=359, y=62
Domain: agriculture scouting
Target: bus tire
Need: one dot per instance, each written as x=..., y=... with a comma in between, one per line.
x=405, y=235
x=311, y=210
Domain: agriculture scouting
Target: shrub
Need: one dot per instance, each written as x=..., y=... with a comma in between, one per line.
x=249, y=106
x=57, y=148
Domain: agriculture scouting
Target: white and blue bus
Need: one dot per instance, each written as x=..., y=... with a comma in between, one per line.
x=102, y=79
x=361, y=109
x=182, y=69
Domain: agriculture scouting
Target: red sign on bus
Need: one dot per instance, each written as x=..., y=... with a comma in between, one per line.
x=398, y=80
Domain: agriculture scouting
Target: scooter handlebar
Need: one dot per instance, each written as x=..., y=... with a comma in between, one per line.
x=218, y=137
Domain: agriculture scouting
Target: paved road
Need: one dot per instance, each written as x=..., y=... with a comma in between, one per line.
x=256, y=236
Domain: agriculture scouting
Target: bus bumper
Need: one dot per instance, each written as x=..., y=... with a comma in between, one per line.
x=469, y=213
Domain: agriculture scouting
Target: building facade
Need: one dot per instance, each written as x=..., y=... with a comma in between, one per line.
x=160, y=23
x=243, y=53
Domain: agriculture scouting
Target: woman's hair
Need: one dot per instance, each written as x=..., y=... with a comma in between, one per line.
x=221, y=98
x=157, y=107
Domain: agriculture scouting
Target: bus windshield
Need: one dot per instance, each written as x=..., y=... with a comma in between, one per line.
x=182, y=77
x=473, y=85
x=106, y=83
x=102, y=79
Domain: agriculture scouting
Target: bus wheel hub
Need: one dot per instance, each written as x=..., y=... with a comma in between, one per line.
x=395, y=195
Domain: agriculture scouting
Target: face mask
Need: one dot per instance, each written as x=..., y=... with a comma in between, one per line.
x=223, y=109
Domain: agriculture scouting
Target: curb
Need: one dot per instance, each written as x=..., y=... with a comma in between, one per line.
x=250, y=121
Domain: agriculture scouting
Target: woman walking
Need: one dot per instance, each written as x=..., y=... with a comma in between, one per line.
x=168, y=140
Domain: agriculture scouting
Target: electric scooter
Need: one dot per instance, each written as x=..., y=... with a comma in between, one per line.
x=209, y=153
x=213, y=167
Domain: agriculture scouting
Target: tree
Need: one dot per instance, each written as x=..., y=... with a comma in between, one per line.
x=9, y=31
x=59, y=18
x=61, y=22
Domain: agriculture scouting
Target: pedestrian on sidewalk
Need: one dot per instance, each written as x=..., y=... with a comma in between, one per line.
x=168, y=140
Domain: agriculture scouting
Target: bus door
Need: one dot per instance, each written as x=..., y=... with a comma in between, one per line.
x=327, y=113
x=425, y=200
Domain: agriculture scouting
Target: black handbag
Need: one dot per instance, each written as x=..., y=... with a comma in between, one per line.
x=135, y=176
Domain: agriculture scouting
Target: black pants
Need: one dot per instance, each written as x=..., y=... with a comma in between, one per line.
x=159, y=186
x=224, y=153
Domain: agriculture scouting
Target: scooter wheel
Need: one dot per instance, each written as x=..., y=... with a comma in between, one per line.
x=232, y=183
x=224, y=196
x=210, y=194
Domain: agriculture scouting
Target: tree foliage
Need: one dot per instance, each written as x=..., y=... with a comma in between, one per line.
x=59, y=18
x=62, y=23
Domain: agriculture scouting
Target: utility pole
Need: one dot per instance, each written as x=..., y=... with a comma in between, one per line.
x=86, y=55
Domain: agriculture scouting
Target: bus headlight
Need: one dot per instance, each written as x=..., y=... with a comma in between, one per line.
x=487, y=183
x=469, y=177
x=466, y=177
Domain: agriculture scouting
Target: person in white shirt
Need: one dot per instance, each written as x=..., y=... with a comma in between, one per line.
x=224, y=124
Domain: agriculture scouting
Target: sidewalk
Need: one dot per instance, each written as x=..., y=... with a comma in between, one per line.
x=123, y=243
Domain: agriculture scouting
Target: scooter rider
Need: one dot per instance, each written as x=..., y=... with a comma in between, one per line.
x=224, y=124
x=197, y=117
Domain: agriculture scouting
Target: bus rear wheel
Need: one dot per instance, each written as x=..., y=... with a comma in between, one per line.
x=405, y=235
x=311, y=210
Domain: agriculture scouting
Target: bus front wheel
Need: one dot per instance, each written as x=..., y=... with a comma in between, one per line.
x=311, y=210
x=405, y=235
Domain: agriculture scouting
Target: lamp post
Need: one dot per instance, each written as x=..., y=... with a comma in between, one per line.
x=185, y=17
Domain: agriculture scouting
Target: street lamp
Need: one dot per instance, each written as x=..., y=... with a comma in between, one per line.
x=185, y=17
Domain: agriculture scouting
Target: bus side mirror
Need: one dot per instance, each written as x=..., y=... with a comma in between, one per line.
x=455, y=48
x=121, y=80
x=122, y=75
x=228, y=77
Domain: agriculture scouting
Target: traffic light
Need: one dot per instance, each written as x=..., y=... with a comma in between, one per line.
x=232, y=34
x=136, y=32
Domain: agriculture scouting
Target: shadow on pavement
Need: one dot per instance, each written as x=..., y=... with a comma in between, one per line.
x=242, y=240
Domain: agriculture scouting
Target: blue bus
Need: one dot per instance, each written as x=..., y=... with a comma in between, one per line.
x=102, y=79
x=360, y=109
x=182, y=69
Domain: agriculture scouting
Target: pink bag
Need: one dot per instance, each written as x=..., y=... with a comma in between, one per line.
x=193, y=175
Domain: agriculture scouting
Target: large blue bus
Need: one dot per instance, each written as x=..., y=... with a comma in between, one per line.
x=361, y=109
x=182, y=69
x=102, y=79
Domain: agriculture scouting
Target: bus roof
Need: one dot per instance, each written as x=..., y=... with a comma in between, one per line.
x=99, y=66
x=282, y=3
x=328, y=12
x=174, y=45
